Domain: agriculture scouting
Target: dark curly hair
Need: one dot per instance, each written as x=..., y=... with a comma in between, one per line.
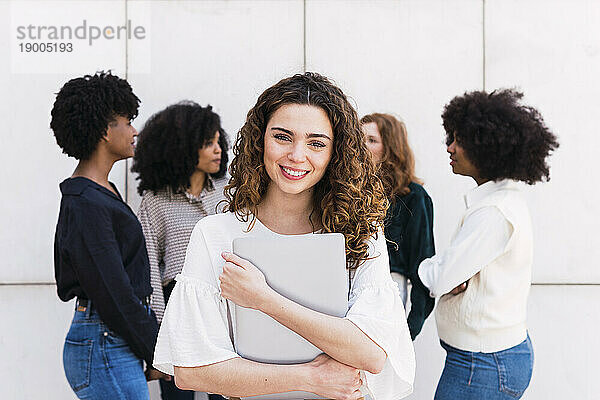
x=167, y=149
x=84, y=107
x=349, y=199
x=501, y=137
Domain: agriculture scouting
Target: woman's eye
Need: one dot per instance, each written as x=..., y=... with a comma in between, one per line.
x=317, y=144
x=282, y=137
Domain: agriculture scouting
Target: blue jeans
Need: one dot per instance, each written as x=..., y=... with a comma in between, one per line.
x=501, y=375
x=99, y=364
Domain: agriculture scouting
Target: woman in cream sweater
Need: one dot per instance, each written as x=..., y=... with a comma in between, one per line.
x=482, y=279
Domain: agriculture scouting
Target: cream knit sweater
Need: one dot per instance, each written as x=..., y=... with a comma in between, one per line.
x=491, y=314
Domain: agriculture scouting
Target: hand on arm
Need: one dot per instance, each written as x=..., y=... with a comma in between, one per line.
x=460, y=288
x=240, y=377
x=154, y=374
x=481, y=239
x=245, y=285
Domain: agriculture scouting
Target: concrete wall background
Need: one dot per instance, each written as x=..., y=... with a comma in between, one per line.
x=406, y=57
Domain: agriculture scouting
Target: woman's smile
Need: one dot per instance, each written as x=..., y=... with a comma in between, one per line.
x=293, y=173
x=298, y=147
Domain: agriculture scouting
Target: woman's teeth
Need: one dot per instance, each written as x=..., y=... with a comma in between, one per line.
x=294, y=173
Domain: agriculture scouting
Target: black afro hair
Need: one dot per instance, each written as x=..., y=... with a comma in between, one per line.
x=501, y=137
x=167, y=149
x=84, y=107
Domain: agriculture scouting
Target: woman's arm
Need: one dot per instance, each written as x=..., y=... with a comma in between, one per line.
x=96, y=257
x=481, y=239
x=414, y=219
x=245, y=285
x=240, y=377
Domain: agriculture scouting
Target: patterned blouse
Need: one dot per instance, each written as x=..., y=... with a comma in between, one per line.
x=168, y=219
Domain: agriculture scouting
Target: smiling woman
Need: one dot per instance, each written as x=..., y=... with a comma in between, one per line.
x=301, y=167
x=296, y=155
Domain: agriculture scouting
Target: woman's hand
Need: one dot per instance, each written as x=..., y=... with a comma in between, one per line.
x=333, y=380
x=154, y=374
x=460, y=288
x=243, y=283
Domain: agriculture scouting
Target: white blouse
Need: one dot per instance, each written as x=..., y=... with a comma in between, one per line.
x=195, y=332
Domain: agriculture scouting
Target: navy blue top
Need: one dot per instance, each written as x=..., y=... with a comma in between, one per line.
x=100, y=254
x=409, y=225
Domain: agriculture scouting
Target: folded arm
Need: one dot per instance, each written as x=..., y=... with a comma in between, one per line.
x=240, y=378
x=245, y=285
x=481, y=239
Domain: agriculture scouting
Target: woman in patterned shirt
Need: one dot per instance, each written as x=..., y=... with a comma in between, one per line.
x=181, y=159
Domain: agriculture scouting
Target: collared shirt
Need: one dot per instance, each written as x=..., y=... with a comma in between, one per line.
x=100, y=254
x=167, y=220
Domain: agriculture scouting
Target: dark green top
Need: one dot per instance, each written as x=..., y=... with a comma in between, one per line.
x=409, y=225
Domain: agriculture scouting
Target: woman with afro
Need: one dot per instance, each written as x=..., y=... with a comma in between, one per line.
x=181, y=158
x=99, y=249
x=409, y=220
x=482, y=279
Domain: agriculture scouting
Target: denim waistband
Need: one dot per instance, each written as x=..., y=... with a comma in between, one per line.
x=90, y=313
x=448, y=347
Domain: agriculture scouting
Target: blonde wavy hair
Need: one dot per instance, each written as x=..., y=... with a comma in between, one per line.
x=397, y=166
x=349, y=199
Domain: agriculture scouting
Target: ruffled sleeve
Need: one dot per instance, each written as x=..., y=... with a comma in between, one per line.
x=375, y=308
x=194, y=331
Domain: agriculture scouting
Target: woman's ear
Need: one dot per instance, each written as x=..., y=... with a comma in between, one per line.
x=106, y=137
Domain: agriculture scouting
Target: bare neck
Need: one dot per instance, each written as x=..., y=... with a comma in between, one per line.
x=197, y=182
x=480, y=181
x=287, y=213
x=96, y=168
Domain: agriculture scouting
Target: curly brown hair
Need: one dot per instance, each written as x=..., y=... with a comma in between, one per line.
x=349, y=199
x=397, y=167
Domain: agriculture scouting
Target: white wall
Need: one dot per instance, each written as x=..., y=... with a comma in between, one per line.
x=551, y=50
x=405, y=57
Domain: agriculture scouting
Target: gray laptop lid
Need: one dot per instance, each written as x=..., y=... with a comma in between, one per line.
x=308, y=269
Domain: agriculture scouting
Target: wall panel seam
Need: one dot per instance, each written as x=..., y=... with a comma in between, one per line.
x=127, y=78
x=483, y=42
x=27, y=283
x=533, y=284
x=303, y=35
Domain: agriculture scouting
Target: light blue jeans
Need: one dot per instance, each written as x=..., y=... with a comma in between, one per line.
x=99, y=364
x=501, y=375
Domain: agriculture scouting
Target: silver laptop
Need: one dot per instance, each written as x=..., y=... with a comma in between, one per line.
x=308, y=269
